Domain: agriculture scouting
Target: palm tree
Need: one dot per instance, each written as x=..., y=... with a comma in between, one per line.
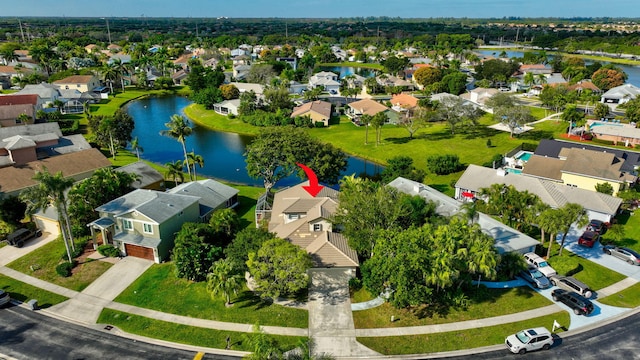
x=365, y=119
x=135, y=146
x=471, y=213
x=179, y=129
x=109, y=74
x=542, y=79
x=529, y=79
x=193, y=160
x=50, y=191
x=223, y=279
x=571, y=213
x=174, y=171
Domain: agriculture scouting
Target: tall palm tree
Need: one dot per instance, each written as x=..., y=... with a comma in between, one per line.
x=50, y=191
x=135, y=146
x=193, y=160
x=179, y=129
x=529, y=79
x=110, y=73
x=174, y=171
x=365, y=119
x=224, y=279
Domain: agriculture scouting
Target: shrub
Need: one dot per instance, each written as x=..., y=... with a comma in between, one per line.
x=79, y=249
x=64, y=269
x=319, y=124
x=108, y=250
x=444, y=164
x=603, y=142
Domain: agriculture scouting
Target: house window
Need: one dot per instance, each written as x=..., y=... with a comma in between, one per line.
x=317, y=227
x=293, y=216
x=127, y=224
x=148, y=228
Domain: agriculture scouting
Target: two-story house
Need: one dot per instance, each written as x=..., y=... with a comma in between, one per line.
x=325, y=80
x=304, y=220
x=82, y=83
x=143, y=222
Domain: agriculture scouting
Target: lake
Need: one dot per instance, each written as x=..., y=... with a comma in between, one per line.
x=223, y=152
x=633, y=72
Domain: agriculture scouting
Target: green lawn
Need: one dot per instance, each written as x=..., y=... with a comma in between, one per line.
x=184, y=334
x=484, y=303
x=629, y=297
x=24, y=292
x=159, y=289
x=631, y=225
x=590, y=273
x=44, y=260
x=458, y=340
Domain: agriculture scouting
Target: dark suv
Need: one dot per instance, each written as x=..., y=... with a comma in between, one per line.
x=577, y=303
x=20, y=236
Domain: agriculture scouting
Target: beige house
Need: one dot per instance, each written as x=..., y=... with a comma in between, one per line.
x=13, y=106
x=82, y=83
x=318, y=111
x=304, y=221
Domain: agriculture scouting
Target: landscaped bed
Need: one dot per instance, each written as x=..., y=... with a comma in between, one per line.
x=457, y=340
x=24, y=292
x=159, y=289
x=483, y=304
x=184, y=334
x=41, y=263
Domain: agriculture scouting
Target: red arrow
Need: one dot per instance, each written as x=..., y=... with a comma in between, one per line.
x=314, y=188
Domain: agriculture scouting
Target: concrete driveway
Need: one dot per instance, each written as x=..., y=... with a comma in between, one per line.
x=87, y=305
x=330, y=319
x=10, y=253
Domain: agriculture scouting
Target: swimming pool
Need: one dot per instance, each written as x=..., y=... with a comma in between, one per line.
x=514, y=171
x=523, y=155
x=597, y=123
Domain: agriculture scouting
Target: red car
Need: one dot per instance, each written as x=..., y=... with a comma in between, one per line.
x=588, y=238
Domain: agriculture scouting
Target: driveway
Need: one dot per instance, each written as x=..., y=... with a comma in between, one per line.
x=330, y=319
x=87, y=305
x=10, y=253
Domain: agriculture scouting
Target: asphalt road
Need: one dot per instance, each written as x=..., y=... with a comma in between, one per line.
x=25, y=334
x=618, y=340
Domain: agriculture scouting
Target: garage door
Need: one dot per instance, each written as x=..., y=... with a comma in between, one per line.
x=139, y=251
x=47, y=225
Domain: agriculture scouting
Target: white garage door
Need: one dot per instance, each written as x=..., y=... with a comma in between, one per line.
x=47, y=225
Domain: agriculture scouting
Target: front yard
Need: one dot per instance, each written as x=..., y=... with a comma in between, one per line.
x=483, y=303
x=41, y=263
x=159, y=289
x=24, y=292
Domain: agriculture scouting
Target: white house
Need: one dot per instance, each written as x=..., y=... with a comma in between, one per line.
x=620, y=94
x=326, y=80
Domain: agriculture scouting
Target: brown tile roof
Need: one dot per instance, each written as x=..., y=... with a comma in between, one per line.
x=11, y=112
x=404, y=100
x=31, y=99
x=532, y=66
x=4, y=69
x=368, y=106
x=320, y=107
x=75, y=79
x=15, y=178
x=584, y=85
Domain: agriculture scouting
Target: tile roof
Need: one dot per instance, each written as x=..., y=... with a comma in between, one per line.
x=368, y=106
x=14, y=178
x=404, y=100
x=320, y=107
x=75, y=79
x=22, y=99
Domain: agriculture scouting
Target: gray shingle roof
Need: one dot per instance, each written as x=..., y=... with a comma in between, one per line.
x=212, y=194
x=155, y=205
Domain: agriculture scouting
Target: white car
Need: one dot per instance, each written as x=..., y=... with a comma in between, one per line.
x=543, y=266
x=529, y=340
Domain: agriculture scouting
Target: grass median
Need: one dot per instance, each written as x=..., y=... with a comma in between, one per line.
x=458, y=340
x=628, y=298
x=159, y=289
x=184, y=334
x=590, y=273
x=23, y=292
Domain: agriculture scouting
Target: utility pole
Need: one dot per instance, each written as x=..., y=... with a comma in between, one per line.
x=108, y=31
x=517, y=33
x=21, y=31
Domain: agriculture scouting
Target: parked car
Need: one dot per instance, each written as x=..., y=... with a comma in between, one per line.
x=589, y=238
x=576, y=302
x=534, y=260
x=535, y=277
x=4, y=298
x=333, y=92
x=623, y=253
x=20, y=236
x=529, y=340
x=597, y=226
x=571, y=284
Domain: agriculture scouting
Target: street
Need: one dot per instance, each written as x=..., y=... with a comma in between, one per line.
x=25, y=334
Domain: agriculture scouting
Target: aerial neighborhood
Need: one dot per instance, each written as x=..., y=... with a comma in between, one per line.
x=339, y=188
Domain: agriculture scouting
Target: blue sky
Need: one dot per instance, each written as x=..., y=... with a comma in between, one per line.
x=324, y=8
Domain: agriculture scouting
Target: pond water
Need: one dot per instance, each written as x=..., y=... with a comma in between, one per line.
x=633, y=72
x=223, y=152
